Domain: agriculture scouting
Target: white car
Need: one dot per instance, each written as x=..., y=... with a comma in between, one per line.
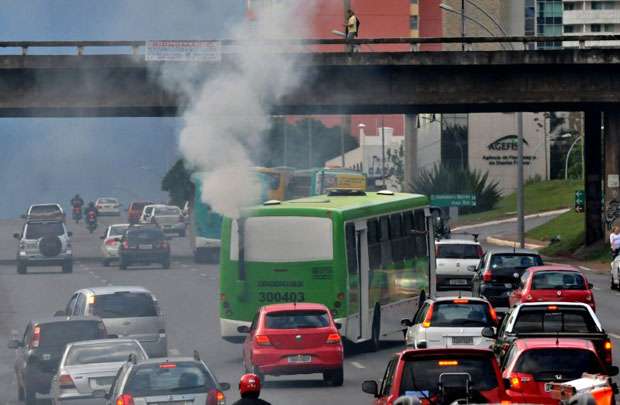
x=615, y=273
x=112, y=242
x=453, y=257
x=147, y=213
x=169, y=218
x=44, y=243
x=451, y=321
x=108, y=206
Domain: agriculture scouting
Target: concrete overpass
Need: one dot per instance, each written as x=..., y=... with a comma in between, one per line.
x=577, y=79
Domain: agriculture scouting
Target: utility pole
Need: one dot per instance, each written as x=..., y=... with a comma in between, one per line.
x=285, y=135
x=342, y=146
x=383, y=150
x=309, y=143
x=462, y=24
x=520, y=191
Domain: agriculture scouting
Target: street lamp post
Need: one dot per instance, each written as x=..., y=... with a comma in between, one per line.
x=520, y=190
x=383, y=150
x=568, y=156
x=462, y=24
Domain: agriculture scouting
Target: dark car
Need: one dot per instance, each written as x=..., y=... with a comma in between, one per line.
x=144, y=245
x=499, y=273
x=39, y=351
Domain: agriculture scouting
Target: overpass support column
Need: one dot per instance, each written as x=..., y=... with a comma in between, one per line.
x=410, y=152
x=593, y=157
x=611, y=179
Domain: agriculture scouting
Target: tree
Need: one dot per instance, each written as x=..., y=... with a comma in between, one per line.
x=178, y=184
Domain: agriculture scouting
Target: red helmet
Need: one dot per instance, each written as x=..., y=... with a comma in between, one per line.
x=249, y=384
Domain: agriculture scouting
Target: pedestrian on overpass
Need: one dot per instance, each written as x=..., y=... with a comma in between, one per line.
x=352, y=28
x=614, y=241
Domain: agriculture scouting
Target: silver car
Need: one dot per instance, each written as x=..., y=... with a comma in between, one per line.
x=108, y=206
x=451, y=321
x=44, y=243
x=111, y=242
x=91, y=365
x=169, y=218
x=128, y=312
x=174, y=380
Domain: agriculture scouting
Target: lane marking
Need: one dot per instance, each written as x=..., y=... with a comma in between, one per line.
x=360, y=365
x=584, y=268
x=613, y=335
x=595, y=288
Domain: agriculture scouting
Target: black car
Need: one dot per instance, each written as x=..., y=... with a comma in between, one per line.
x=499, y=272
x=144, y=245
x=39, y=351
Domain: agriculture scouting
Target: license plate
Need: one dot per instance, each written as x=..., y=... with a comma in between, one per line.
x=101, y=382
x=172, y=403
x=508, y=285
x=458, y=282
x=300, y=358
x=145, y=247
x=462, y=340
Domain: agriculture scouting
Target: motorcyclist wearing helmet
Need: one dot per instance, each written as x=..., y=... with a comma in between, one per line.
x=77, y=201
x=91, y=208
x=249, y=388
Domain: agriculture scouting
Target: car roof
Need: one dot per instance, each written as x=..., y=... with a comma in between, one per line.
x=44, y=221
x=301, y=306
x=120, y=225
x=554, y=267
x=506, y=250
x=111, y=289
x=155, y=205
x=452, y=298
x=45, y=204
x=107, y=198
x=160, y=360
x=456, y=242
x=552, y=343
x=100, y=341
x=58, y=319
x=557, y=303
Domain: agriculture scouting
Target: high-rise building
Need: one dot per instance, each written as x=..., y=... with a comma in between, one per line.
x=582, y=17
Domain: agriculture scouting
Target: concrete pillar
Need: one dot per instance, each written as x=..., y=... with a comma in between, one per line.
x=593, y=158
x=410, y=151
x=612, y=169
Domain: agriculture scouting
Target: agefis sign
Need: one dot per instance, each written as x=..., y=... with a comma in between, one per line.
x=508, y=142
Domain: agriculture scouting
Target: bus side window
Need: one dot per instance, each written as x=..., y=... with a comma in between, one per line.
x=396, y=236
x=374, y=243
x=351, y=248
x=409, y=244
x=386, y=248
x=419, y=224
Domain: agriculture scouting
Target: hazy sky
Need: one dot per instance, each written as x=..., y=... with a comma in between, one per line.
x=48, y=160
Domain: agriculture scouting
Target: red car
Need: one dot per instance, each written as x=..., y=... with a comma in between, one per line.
x=135, y=211
x=295, y=338
x=440, y=376
x=553, y=283
x=531, y=364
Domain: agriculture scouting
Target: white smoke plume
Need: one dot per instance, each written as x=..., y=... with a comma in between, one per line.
x=226, y=116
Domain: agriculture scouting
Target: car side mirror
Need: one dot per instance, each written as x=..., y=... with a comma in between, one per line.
x=370, y=387
x=14, y=344
x=489, y=333
x=471, y=268
x=612, y=371
x=60, y=313
x=590, y=286
x=338, y=325
x=100, y=394
x=224, y=386
x=406, y=323
x=17, y=236
x=243, y=329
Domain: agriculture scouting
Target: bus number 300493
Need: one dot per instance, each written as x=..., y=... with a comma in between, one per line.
x=281, y=297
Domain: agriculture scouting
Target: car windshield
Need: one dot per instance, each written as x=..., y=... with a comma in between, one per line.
x=554, y=319
x=144, y=235
x=458, y=251
x=39, y=230
x=558, y=364
x=125, y=305
x=163, y=211
x=168, y=379
x=421, y=376
x=60, y=333
x=107, y=201
x=109, y=352
x=297, y=320
x=558, y=280
x=118, y=230
x=44, y=210
x=514, y=261
x=461, y=312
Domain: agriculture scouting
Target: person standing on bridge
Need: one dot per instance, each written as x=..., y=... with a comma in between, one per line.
x=352, y=29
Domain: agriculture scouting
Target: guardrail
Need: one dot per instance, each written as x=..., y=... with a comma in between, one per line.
x=135, y=46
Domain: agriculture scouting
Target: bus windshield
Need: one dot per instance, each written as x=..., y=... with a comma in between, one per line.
x=284, y=239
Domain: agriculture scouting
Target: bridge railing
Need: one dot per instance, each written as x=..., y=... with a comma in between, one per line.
x=315, y=44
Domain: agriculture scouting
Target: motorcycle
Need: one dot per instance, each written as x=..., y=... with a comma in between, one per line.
x=91, y=221
x=77, y=214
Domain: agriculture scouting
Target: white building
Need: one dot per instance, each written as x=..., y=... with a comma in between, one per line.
x=582, y=17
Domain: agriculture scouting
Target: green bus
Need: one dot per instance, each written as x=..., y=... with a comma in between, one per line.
x=365, y=255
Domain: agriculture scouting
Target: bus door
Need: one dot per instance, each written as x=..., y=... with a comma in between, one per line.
x=357, y=253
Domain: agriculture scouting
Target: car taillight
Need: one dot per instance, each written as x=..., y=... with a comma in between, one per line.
x=427, y=319
x=333, y=338
x=126, y=244
x=125, y=399
x=262, y=340
x=65, y=381
x=493, y=313
x=487, y=276
x=518, y=379
x=111, y=242
x=608, y=346
x=216, y=397
x=36, y=337
x=588, y=297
